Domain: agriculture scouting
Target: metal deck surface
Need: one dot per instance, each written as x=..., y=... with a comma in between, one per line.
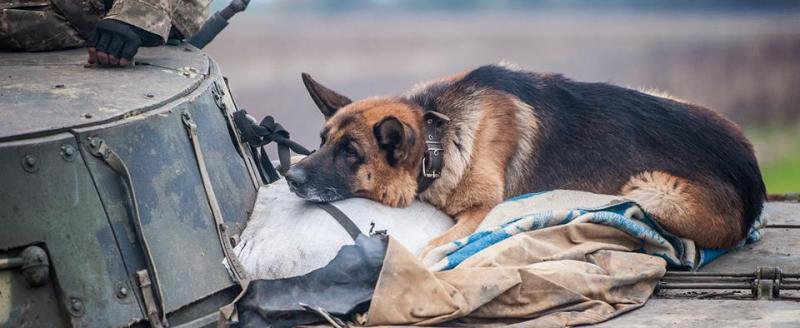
x=43, y=93
x=779, y=247
x=710, y=314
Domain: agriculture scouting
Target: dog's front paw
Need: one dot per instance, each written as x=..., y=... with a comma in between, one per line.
x=432, y=253
x=425, y=251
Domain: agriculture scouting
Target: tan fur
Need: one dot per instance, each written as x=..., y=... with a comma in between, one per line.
x=498, y=136
x=473, y=180
x=677, y=203
x=509, y=65
x=393, y=186
x=470, y=187
x=491, y=146
x=466, y=224
x=457, y=162
x=661, y=94
x=527, y=126
x=422, y=85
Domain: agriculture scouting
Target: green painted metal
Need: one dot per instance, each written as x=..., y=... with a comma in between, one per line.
x=59, y=196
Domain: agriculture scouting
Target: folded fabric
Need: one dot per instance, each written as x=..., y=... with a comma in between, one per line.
x=541, y=210
x=553, y=259
x=565, y=275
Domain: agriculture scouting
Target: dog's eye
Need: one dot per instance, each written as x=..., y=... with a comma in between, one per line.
x=350, y=150
x=323, y=136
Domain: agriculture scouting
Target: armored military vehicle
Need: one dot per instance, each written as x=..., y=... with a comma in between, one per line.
x=123, y=190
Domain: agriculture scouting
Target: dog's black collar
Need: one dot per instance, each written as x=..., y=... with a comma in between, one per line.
x=433, y=159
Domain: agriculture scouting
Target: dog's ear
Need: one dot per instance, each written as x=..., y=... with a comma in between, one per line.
x=326, y=99
x=395, y=138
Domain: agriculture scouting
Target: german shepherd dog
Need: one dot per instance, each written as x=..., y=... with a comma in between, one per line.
x=505, y=132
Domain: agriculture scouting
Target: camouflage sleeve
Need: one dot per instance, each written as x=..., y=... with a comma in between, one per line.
x=189, y=17
x=157, y=16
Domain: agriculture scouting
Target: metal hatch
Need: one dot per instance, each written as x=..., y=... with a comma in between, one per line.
x=43, y=93
x=57, y=194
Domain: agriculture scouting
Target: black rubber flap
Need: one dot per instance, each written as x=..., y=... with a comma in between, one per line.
x=342, y=288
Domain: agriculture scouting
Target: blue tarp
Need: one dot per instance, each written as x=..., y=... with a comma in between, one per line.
x=535, y=211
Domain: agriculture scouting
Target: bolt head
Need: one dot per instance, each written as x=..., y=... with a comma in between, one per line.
x=67, y=152
x=30, y=163
x=35, y=266
x=122, y=292
x=76, y=305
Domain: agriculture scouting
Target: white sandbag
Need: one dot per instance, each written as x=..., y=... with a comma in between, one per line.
x=287, y=236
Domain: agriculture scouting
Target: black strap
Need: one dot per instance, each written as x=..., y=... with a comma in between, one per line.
x=259, y=135
x=433, y=160
x=342, y=218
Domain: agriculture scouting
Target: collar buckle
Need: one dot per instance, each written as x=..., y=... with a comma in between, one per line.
x=431, y=151
x=433, y=159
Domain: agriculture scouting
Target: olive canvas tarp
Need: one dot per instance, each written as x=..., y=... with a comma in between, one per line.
x=560, y=258
x=561, y=276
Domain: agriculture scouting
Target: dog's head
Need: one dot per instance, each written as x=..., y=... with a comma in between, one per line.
x=370, y=148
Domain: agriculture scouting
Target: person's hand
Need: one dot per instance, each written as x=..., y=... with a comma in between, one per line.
x=115, y=43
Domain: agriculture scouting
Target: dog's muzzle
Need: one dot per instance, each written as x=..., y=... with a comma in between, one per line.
x=296, y=178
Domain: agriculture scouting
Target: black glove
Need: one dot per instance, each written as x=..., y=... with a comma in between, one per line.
x=116, y=43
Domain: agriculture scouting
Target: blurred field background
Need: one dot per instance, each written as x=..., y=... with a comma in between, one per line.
x=741, y=58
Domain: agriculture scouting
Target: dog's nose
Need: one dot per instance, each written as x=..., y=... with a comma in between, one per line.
x=296, y=177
